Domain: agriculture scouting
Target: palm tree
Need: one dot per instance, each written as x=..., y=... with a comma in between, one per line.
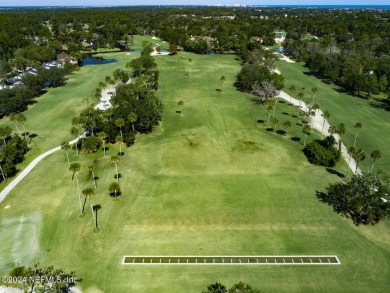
x=276, y=101
x=341, y=130
x=66, y=147
x=375, y=155
x=13, y=118
x=324, y=115
x=223, y=79
x=115, y=160
x=300, y=95
x=103, y=137
x=2, y=157
x=74, y=131
x=21, y=119
x=306, y=130
x=92, y=169
x=357, y=125
x=287, y=125
x=358, y=156
x=88, y=193
x=269, y=108
x=132, y=118
x=190, y=61
x=332, y=130
x=314, y=90
x=120, y=122
x=120, y=140
x=4, y=133
x=180, y=104
x=292, y=89
x=351, y=152
x=275, y=122
x=96, y=207
x=114, y=188
x=75, y=168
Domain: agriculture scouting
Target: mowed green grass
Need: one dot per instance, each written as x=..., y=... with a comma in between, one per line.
x=346, y=109
x=215, y=196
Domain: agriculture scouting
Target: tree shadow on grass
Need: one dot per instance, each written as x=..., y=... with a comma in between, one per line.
x=260, y=121
x=381, y=104
x=269, y=129
x=31, y=136
x=281, y=132
x=285, y=113
x=105, y=149
x=299, y=124
x=115, y=195
x=334, y=172
x=218, y=90
x=296, y=138
x=119, y=175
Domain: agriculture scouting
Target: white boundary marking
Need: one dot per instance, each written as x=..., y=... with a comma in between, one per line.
x=238, y=257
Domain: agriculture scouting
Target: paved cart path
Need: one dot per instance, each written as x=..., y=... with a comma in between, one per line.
x=317, y=122
x=28, y=169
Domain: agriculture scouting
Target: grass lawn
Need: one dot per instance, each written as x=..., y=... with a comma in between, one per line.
x=212, y=181
x=346, y=109
x=138, y=40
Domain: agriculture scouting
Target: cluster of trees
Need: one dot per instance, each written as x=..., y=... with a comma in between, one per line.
x=135, y=106
x=239, y=287
x=322, y=152
x=12, y=151
x=364, y=198
x=256, y=75
x=43, y=279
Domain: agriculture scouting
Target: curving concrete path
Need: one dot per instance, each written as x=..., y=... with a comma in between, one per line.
x=27, y=170
x=317, y=123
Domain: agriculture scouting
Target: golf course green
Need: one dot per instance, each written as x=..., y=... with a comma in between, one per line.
x=211, y=181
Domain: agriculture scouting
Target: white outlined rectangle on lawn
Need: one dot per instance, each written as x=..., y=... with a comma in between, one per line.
x=230, y=260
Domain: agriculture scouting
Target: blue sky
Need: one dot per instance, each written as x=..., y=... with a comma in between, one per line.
x=184, y=2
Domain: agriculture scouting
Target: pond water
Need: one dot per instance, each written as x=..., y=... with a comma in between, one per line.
x=93, y=60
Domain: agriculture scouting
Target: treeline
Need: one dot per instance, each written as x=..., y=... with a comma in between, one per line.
x=348, y=47
x=359, y=74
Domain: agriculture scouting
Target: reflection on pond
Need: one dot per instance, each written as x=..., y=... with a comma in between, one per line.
x=93, y=60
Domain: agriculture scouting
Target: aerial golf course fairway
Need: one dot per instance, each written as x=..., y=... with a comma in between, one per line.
x=211, y=181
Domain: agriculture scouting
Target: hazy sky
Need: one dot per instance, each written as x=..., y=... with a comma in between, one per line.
x=185, y=2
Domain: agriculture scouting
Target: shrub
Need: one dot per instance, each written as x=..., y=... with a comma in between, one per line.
x=322, y=152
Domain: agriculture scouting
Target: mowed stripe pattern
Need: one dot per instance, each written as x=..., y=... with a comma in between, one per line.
x=233, y=260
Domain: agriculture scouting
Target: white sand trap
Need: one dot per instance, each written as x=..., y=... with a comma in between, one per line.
x=7, y=207
x=128, y=54
x=285, y=58
x=276, y=71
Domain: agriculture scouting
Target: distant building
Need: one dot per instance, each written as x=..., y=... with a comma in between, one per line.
x=279, y=38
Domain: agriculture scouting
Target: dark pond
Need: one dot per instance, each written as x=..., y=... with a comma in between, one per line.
x=93, y=60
